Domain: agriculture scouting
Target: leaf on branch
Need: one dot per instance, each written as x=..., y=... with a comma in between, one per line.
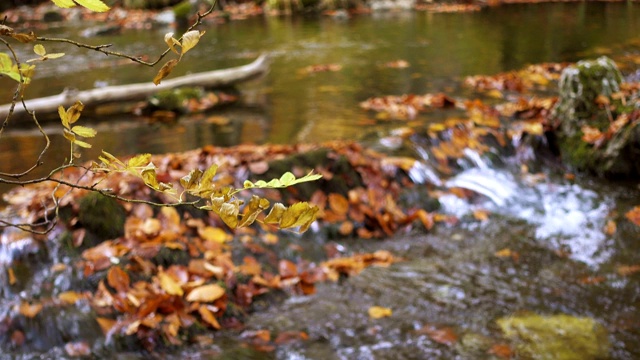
x=190, y=40
x=255, y=206
x=191, y=180
x=165, y=71
x=24, y=38
x=8, y=68
x=172, y=42
x=136, y=161
x=287, y=179
x=93, y=5
x=297, y=215
x=39, y=49
x=84, y=131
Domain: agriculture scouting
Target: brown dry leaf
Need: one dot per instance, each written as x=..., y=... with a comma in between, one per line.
x=346, y=228
x=378, y=312
x=426, y=219
x=288, y=337
x=118, y=279
x=215, y=234
x=169, y=284
x=30, y=310
x=444, y=335
x=339, y=204
x=165, y=71
x=633, y=215
x=206, y=293
x=626, y=270
x=503, y=351
x=610, y=227
x=287, y=269
x=209, y=317
x=250, y=266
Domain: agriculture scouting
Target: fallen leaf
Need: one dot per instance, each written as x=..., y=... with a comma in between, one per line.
x=12, y=276
x=169, y=284
x=378, y=312
x=206, y=293
x=610, y=227
x=209, y=317
x=444, y=335
x=633, y=215
x=215, y=234
x=71, y=297
x=30, y=310
x=118, y=279
x=503, y=351
x=626, y=270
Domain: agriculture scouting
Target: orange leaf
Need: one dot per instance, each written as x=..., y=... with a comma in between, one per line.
x=118, y=279
x=12, y=276
x=71, y=297
x=443, y=335
x=591, y=135
x=206, y=293
x=338, y=203
x=610, y=228
x=30, y=310
x=633, y=215
x=481, y=215
x=502, y=351
x=208, y=317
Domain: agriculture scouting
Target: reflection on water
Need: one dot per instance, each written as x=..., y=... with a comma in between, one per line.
x=440, y=48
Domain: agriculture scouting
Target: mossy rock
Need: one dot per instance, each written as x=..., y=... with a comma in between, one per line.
x=558, y=337
x=103, y=216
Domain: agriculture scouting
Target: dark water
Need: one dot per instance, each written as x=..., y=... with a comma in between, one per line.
x=451, y=277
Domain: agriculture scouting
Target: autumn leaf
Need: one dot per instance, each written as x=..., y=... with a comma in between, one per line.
x=171, y=42
x=626, y=270
x=93, y=5
x=165, y=70
x=214, y=234
x=444, y=335
x=206, y=293
x=633, y=215
x=71, y=297
x=190, y=40
x=591, y=135
x=118, y=279
x=30, y=310
x=503, y=351
x=378, y=312
x=169, y=284
x=209, y=317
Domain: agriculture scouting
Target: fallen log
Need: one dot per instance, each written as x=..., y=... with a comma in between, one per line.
x=136, y=92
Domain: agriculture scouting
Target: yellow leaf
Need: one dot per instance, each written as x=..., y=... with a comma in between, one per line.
x=377, y=312
x=214, y=234
x=93, y=5
x=71, y=297
x=105, y=324
x=190, y=40
x=169, y=285
x=63, y=116
x=171, y=42
x=64, y=3
x=39, y=49
x=84, y=131
x=208, y=317
x=229, y=213
x=53, y=56
x=206, y=293
x=275, y=214
x=81, y=143
x=69, y=135
x=73, y=113
x=137, y=161
x=255, y=206
x=165, y=71
x=29, y=310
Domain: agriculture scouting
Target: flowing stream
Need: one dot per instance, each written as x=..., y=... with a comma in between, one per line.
x=452, y=277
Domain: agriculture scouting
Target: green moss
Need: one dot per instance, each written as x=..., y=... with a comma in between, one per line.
x=101, y=215
x=182, y=10
x=559, y=337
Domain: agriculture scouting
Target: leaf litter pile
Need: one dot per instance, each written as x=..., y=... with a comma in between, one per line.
x=173, y=275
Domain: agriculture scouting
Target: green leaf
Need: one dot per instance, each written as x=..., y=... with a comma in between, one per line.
x=84, y=131
x=248, y=184
x=5, y=62
x=93, y=5
x=64, y=3
x=287, y=179
x=190, y=40
x=39, y=50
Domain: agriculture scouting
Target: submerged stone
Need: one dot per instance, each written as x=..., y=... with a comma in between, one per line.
x=559, y=337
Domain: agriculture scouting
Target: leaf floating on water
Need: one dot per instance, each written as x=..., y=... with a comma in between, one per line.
x=378, y=312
